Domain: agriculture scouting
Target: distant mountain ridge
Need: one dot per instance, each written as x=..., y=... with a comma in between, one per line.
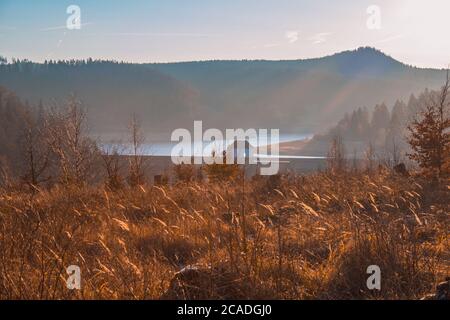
x=303, y=96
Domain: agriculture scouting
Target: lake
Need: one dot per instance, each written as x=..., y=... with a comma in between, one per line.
x=164, y=148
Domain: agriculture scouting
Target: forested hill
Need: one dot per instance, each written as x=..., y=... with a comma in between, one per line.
x=382, y=128
x=110, y=91
x=13, y=115
x=302, y=96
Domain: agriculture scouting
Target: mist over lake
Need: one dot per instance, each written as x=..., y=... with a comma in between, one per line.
x=164, y=148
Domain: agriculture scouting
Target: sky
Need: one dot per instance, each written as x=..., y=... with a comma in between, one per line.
x=415, y=32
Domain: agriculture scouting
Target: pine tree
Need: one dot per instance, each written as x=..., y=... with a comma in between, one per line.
x=430, y=137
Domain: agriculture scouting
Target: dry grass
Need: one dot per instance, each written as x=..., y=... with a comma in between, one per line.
x=294, y=237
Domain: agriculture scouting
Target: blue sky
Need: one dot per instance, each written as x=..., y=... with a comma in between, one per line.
x=413, y=31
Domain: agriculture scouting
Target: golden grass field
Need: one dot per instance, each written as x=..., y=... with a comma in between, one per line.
x=284, y=237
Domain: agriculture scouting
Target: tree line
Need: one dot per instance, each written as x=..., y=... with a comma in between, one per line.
x=51, y=145
x=48, y=145
x=418, y=131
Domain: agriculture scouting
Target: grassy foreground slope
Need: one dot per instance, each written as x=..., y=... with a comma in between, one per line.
x=289, y=237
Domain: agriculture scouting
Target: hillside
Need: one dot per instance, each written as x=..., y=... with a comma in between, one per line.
x=13, y=115
x=382, y=128
x=301, y=96
x=110, y=91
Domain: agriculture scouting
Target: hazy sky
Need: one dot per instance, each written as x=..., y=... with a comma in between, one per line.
x=416, y=32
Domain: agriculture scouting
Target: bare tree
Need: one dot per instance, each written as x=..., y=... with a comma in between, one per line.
x=5, y=173
x=395, y=152
x=136, y=159
x=370, y=157
x=36, y=153
x=111, y=163
x=336, y=155
x=74, y=151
